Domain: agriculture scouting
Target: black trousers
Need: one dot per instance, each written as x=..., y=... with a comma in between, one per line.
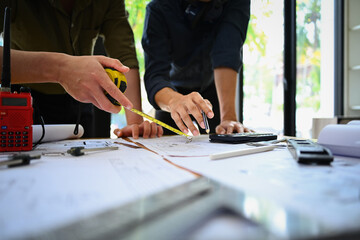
x=210, y=94
x=63, y=109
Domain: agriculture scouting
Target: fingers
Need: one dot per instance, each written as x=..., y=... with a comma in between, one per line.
x=184, y=122
x=111, y=89
x=113, y=63
x=96, y=104
x=191, y=104
x=85, y=79
x=92, y=93
x=248, y=130
x=135, y=131
x=160, y=131
x=145, y=129
x=153, y=130
x=200, y=105
x=228, y=127
x=239, y=128
x=195, y=110
x=102, y=102
x=177, y=119
x=118, y=132
x=128, y=131
x=105, y=84
x=220, y=130
x=209, y=113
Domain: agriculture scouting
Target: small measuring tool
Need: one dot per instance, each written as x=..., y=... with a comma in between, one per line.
x=120, y=81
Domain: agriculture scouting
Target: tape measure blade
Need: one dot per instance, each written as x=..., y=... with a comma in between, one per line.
x=160, y=123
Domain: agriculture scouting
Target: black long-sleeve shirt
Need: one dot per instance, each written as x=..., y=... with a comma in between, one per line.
x=177, y=54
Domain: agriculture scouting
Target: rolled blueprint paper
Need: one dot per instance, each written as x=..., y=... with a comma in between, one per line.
x=56, y=132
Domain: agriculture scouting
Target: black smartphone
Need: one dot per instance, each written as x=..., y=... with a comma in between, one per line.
x=242, y=137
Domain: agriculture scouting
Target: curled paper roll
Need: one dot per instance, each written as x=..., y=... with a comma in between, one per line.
x=56, y=132
x=342, y=139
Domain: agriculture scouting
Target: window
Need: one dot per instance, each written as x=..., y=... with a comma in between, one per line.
x=263, y=65
x=315, y=63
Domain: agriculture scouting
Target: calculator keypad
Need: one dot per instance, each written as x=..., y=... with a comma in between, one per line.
x=14, y=139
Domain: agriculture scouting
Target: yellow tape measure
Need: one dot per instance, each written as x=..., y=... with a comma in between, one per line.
x=160, y=123
x=120, y=81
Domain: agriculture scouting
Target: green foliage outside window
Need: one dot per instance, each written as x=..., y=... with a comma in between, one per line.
x=308, y=54
x=136, y=10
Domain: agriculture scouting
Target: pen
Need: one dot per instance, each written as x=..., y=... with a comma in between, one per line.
x=19, y=160
x=241, y=152
x=207, y=129
x=79, y=151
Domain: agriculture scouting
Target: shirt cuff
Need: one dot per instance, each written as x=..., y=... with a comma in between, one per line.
x=156, y=88
x=227, y=60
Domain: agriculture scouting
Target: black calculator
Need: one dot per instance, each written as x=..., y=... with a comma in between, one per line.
x=242, y=137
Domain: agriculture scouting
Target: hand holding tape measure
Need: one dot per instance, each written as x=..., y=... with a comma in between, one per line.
x=119, y=80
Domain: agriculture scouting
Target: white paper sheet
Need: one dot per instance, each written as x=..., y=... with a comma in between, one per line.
x=200, y=146
x=60, y=188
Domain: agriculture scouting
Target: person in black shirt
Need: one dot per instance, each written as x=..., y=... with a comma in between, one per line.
x=192, y=57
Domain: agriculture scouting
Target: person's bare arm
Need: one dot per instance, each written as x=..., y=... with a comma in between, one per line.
x=83, y=77
x=133, y=93
x=225, y=81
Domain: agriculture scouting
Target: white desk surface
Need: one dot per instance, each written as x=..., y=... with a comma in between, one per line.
x=330, y=193
x=60, y=188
